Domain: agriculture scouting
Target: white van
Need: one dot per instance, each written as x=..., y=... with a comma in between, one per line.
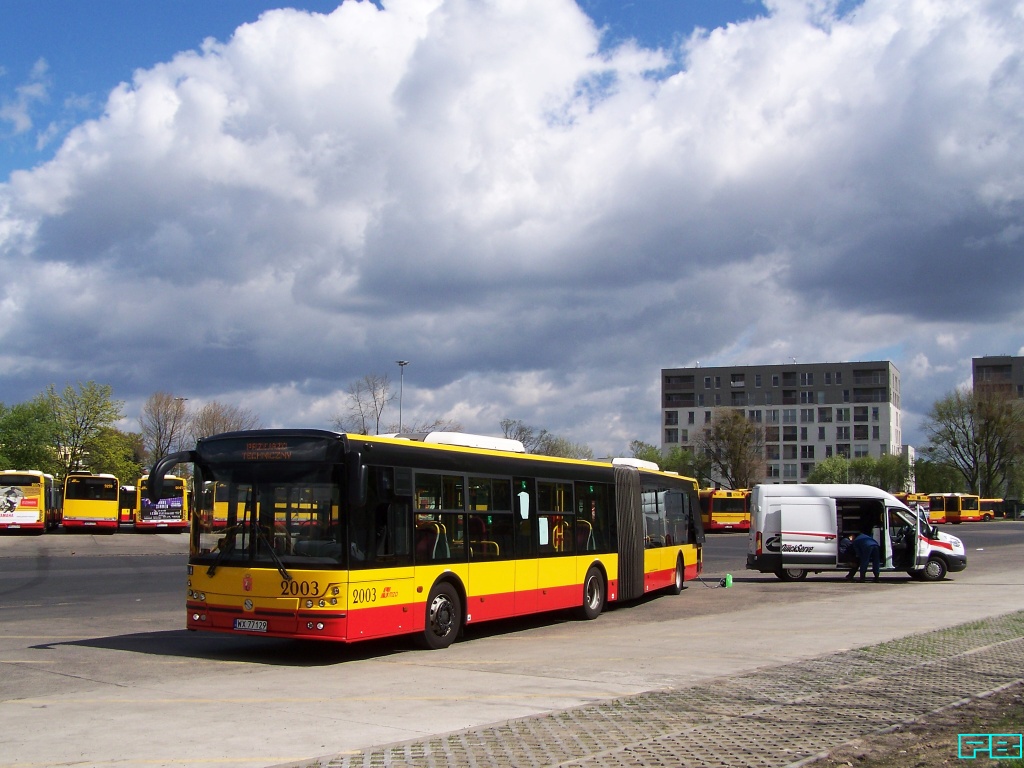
x=794, y=529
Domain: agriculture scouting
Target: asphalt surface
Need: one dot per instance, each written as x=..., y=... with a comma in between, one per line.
x=764, y=673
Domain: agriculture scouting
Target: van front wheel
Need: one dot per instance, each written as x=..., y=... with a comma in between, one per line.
x=791, y=574
x=934, y=570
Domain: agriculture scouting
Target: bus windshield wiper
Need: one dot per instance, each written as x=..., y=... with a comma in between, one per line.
x=262, y=536
x=229, y=546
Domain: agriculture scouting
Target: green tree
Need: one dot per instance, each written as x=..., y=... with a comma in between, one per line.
x=937, y=477
x=685, y=462
x=834, y=469
x=119, y=453
x=734, y=445
x=78, y=416
x=27, y=437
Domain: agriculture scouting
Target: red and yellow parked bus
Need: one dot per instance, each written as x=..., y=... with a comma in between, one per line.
x=916, y=501
x=991, y=509
x=90, y=502
x=170, y=513
x=954, y=508
x=348, y=537
x=128, y=502
x=29, y=501
x=724, y=510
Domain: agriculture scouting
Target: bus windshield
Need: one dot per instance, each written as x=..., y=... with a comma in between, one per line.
x=294, y=521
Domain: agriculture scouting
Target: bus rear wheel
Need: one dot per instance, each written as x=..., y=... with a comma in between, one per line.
x=444, y=617
x=677, y=585
x=593, y=594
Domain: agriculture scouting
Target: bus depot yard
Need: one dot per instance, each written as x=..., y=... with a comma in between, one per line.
x=764, y=673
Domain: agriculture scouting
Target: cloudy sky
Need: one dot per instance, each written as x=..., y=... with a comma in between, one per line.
x=539, y=203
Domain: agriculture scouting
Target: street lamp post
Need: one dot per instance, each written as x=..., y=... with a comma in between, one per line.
x=401, y=389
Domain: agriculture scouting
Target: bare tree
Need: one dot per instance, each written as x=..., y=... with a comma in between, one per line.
x=981, y=434
x=368, y=398
x=735, y=447
x=164, y=424
x=531, y=437
x=215, y=418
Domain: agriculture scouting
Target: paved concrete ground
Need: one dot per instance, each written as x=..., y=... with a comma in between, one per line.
x=780, y=716
x=659, y=677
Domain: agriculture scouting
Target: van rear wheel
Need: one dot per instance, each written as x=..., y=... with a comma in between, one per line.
x=791, y=574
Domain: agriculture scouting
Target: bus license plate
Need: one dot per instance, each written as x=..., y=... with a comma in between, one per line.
x=251, y=625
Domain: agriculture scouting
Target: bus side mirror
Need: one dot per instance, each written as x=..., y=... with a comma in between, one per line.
x=156, y=475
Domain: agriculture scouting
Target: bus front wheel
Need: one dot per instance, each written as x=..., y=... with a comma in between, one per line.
x=593, y=594
x=444, y=617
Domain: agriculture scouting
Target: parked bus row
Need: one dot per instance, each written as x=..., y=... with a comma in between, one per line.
x=32, y=501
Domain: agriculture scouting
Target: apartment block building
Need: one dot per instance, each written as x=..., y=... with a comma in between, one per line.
x=809, y=411
x=999, y=373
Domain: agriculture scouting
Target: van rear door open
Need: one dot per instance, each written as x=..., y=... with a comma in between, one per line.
x=803, y=532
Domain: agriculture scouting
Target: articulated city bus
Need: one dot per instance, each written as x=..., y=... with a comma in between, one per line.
x=954, y=508
x=90, y=502
x=29, y=501
x=348, y=537
x=170, y=513
x=723, y=510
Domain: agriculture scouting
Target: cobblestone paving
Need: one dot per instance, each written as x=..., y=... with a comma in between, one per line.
x=771, y=718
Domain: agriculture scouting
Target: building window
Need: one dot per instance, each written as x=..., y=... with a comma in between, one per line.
x=825, y=415
x=789, y=471
x=842, y=433
x=689, y=417
x=684, y=435
x=807, y=397
x=768, y=398
x=843, y=449
x=789, y=415
x=737, y=380
x=671, y=417
x=771, y=452
x=876, y=433
x=846, y=395
x=828, y=379
x=860, y=413
x=672, y=435
x=828, y=451
x=771, y=434
x=700, y=400
x=707, y=382
x=842, y=414
x=860, y=432
x=772, y=416
x=821, y=433
x=757, y=379
x=807, y=379
x=803, y=433
x=789, y=452
x=874, y=413
x=807, y=415
x=755, y=416
x=773, y=470
x=860, y=451
x=718, y=382
x=718, y=399
x=775, y=379
x=806, y=469
x=839, y=378
x=806, y=451
x=707, y=417
x=789, y=434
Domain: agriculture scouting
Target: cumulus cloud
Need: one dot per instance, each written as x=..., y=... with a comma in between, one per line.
x=538, y=221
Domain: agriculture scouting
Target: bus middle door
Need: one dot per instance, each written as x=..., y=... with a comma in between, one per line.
x=525, y=521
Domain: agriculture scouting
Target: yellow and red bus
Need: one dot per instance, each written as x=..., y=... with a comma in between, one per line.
x=991, y=509
x=953, y=508
x=29, y=501
x=725, y=510
x=90, y=502
x=128, y=501
x=348, y=537
x=171, y=513
x=916, y=501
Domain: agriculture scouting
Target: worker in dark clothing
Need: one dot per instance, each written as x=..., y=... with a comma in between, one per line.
x=848, y=555
x=868, y=551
